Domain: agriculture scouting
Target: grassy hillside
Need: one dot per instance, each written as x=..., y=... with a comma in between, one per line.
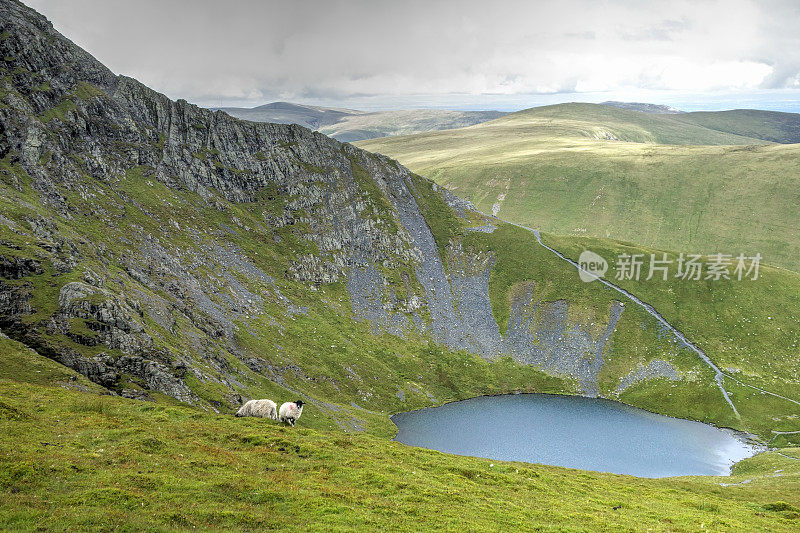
x=77, y=461
x=750, y=329
x=768, y=125
x=659, y=109
x=546, y=169
x=190, y=260
x=354, y=375
x=597, y=121
x=300, y=340
x=196, y=256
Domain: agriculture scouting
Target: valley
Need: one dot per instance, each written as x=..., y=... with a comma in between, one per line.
x=348, y=125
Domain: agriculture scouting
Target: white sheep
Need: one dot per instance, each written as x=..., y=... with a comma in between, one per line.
x=259, y=408
x=291, y=411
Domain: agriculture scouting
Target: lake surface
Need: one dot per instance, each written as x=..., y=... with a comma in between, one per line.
x=576, y=432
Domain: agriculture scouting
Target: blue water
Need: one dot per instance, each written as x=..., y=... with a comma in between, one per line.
x=576, y=432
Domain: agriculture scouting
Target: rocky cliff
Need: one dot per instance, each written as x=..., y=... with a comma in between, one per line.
x=163, y=249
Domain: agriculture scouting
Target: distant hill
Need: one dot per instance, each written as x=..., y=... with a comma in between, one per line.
x=287, y=113
x=771, y=126
x=655, y=109
x=675, y=182
x=349, y=125
x=602, y=122
x=404, y=122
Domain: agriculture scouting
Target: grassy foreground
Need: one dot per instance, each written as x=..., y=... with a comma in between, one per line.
x=75, y=461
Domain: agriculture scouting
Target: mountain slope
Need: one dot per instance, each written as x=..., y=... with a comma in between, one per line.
x=770, y=126
x=192, y=260
x=114, y=464
x=199, y=471
x=348, y=125
x=554, y=169
x=603, y=122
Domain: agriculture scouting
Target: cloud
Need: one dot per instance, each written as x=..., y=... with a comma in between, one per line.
x=249, y=51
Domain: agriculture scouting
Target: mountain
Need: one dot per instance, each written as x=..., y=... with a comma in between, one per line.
x=656, y=180
x=601, y=122
x=161, y=263
x=286, y=113
x=643, y=108
x=348, y=125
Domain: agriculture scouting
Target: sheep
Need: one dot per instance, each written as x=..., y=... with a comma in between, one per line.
x=291, y=411
x=259, y=408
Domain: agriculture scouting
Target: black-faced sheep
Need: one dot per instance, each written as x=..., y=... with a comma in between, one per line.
x=291, y=411
x=259, y=408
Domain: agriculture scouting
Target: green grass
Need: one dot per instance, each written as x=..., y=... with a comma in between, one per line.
x=21, y=364
x=441, y=219
x=544, y=169
x=76, y=461
x=768, y=125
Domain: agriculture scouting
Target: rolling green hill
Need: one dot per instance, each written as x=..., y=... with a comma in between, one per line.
x=767, y=125
x=772, y=126
x=603, y=122
x=552, y=168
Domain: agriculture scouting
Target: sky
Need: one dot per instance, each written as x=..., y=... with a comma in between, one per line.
x=465, y=54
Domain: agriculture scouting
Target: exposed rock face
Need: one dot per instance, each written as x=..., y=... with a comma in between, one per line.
x=113, y=321
x=14, y=302
x=540, y=334
x=18, y=267
x=165, y=307
x=657, y=368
